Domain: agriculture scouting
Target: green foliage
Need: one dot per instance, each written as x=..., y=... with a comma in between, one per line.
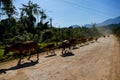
x=1, y=53
x=8, y=8
x=47, y=35
x=116, y=29
x=26, y=28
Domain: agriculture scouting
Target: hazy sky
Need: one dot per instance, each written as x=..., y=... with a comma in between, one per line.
x=70, y=12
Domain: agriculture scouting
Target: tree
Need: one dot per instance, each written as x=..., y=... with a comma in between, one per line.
x=8, y=8
x=28, y=13
x=95, y=31
x=43, y=15
x=116, y=29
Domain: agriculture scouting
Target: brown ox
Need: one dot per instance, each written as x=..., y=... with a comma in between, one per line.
x=74, y=42
x=21, y=48
x=90, y=39
x=50, y=48
x=65, y=44
x=68, y=44
x=96, y=39
x=83, y=40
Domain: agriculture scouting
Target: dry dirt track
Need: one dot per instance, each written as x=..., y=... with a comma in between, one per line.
x=96, y=61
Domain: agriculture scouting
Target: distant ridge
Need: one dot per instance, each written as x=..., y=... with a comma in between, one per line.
x=74, y=26
x=110, y=21
x=106, y=22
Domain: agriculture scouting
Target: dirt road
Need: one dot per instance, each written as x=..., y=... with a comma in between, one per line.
x=96, y=61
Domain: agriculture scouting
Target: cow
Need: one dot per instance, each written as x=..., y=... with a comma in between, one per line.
x=65, y=44
x=96, y=39
x=21, y=48
x=72, y=42
x=50, y=48
x=104, y=36
x=82, y=40
x=90, y=39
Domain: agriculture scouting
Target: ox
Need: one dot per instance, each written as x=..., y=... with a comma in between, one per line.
x=50, y=48
x=21, y=48
x=82, y=40
x=68, y=44
x=73, y=42
x=65, y=44
x=90, y=39
x=96, y=39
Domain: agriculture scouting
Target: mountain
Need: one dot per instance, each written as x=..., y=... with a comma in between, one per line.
x=74, y=26
x=88, y=25
x=110, y=21
x=106, y=22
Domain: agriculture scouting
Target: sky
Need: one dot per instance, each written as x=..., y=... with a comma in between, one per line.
x=65, y=13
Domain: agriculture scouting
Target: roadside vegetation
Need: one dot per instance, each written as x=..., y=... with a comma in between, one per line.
x=116, y=29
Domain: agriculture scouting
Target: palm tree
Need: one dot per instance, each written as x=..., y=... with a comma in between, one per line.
x=29, y=10
x=43, y=15
x=8, y=8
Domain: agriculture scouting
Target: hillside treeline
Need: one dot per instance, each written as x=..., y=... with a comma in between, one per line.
x=33, y=24
x=116, y=29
